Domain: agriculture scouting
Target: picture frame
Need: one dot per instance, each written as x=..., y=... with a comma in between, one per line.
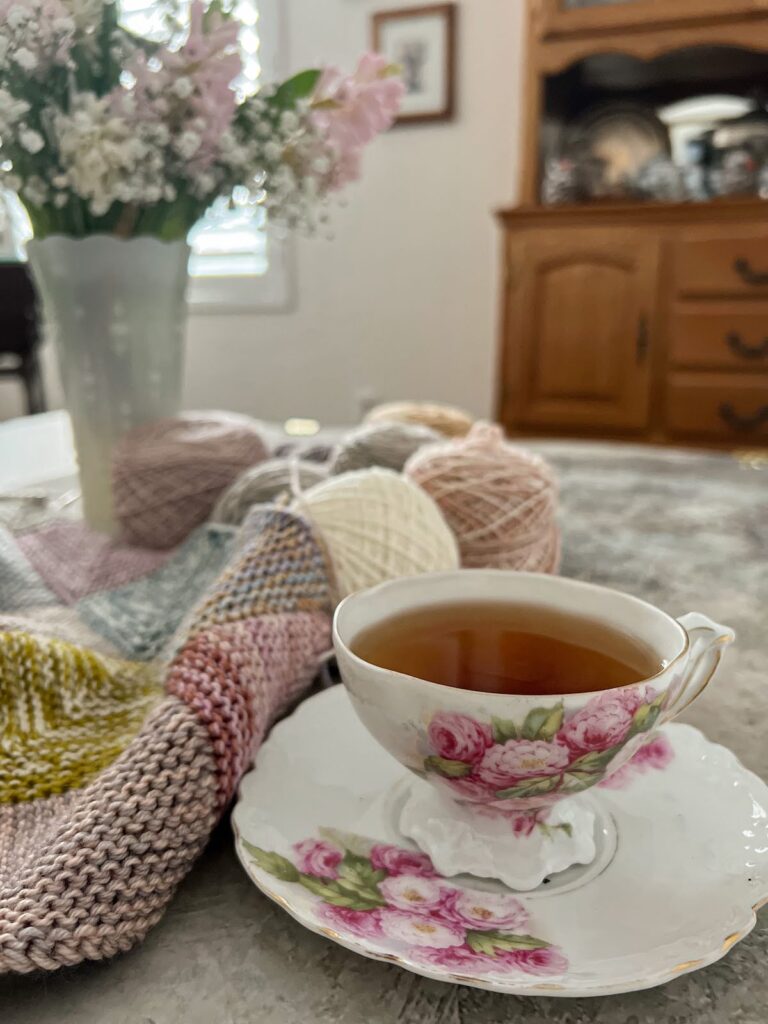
x=422, y=41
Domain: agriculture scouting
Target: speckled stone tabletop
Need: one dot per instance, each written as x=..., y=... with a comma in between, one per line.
x=686, y=531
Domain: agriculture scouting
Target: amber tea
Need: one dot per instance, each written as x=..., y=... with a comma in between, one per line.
x=506, y=648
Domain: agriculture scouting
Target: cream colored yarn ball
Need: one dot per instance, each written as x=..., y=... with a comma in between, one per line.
x=499, y=500
x=375, y=526
x=445, y=419
x=265, y=483
x=388, y=445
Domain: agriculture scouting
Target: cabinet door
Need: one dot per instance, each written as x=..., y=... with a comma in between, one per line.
x=579, y=329
x=561, y=17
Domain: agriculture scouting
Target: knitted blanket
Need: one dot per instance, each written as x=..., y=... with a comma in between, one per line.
x=134, y=691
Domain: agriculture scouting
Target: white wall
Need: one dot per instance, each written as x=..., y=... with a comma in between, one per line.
x=404, y=301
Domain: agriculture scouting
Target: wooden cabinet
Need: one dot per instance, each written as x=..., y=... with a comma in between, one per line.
x=580, y=326
x=566, y=17
x=638, y=327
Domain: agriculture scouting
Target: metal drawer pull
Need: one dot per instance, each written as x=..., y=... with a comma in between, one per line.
x=749, y=276
x=742, y=348
x=743, y=424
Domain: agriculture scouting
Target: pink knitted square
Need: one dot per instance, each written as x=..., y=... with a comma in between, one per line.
x=74, y=561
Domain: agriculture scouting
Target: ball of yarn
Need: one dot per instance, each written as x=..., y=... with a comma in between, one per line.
x=499, y=500
x=445, y=419
x=167, y=475
x=262, y=484
x=388, y=445
x=375, y=526
x=318, y=451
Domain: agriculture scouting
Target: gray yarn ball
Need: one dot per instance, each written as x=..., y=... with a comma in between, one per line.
x=388, y=445
x=263, y=484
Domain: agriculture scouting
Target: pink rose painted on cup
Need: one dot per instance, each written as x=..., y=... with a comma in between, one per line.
x=420, y=929
x=469, y=789
x=458, y=737
x=319, y=858
x=413, y=893
x=396, y=861
x=363, y=924
x=485, y=911
x=507, y=763
x=604, y=722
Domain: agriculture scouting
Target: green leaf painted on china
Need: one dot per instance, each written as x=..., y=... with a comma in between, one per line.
x=279, y=867
x=294, y=89
x=342, y=893
x=504, y=729
x=540, y=719
x=492, y=942
x=530, y=787
x=360, y=871
x=551, y=724
x=576, y=781
x=444, y=766
x=595, y=760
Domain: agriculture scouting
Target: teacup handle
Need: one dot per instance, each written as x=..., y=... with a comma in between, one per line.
x=707, y=641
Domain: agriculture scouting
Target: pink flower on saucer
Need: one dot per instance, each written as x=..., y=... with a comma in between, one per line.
x=656, y=753
x=413, y=892
x=604, y=722
x=457, y=959
x=318, y=858
x=485, y=911
x=505, y=764
x=363, y=924
x=459, y=737
x=420, y=929
x=396, y=861
x=546, y=961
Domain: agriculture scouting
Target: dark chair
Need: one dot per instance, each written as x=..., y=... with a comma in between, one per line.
x=20, y=333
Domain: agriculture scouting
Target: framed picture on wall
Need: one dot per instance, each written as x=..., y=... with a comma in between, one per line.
x=422, y=41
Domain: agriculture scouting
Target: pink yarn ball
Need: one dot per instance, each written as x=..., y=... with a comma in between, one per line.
x=499, y=500
x=167, y=475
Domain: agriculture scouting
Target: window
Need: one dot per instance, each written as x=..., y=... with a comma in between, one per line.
x=235, y=264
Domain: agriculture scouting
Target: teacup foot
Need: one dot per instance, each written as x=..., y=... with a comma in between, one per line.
x=520, y=849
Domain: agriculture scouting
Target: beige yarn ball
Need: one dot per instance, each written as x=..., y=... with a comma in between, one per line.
x=388, y=445
x=376, y=526
x=445, y=419
x=499, y=500
x=262, y=484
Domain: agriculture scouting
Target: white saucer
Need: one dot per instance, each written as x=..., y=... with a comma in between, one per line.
x=671, y=889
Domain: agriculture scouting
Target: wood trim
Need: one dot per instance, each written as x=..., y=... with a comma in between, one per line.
x=587, y=215
x=658, y=15
x=449, y=11
x=552, y=57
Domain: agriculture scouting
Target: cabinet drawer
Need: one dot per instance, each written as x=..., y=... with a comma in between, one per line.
x=735, y=264
x=722, y=336
x=728, y=406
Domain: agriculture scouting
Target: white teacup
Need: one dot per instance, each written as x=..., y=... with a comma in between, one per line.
x=502, y=755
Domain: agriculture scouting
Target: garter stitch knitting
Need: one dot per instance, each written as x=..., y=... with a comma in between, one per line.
x=86, y=872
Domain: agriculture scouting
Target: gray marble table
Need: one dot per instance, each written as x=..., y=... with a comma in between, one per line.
x=688, y=532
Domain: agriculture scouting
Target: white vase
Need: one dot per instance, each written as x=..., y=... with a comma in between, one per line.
x=116, y=309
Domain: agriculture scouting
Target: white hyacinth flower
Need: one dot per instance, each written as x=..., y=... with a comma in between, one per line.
x=31, y=141
x=25, y=59
x=183, y=88
x=188, y=144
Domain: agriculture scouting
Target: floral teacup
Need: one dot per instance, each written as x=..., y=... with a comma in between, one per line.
x=517, y=757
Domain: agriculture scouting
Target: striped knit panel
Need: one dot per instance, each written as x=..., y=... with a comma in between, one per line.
x=256, y=639
x=109, y=859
